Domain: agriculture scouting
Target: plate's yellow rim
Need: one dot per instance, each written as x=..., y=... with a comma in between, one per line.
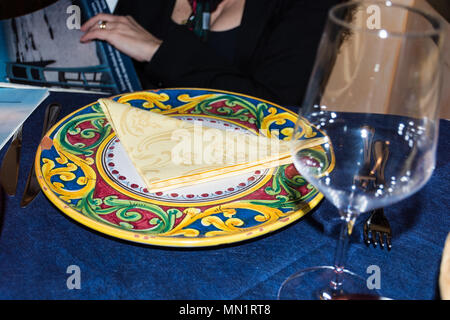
x=167, y=241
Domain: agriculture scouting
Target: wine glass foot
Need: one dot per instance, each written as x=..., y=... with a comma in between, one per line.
x=319, y=283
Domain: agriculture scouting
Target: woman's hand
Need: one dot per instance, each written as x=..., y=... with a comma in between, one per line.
x=124, y=33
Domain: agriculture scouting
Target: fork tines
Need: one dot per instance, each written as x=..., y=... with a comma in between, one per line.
x=376, y=229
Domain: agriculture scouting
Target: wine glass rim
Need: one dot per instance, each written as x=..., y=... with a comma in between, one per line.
x=439, y=30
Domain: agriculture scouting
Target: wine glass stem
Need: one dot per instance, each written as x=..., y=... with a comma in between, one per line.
x=340, y=257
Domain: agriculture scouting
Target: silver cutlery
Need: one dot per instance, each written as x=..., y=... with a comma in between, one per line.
x=9, y=171
x=366, y=178
x=32, y=187
x=377, y=227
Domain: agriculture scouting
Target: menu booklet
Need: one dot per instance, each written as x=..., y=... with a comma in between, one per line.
x=43, y=49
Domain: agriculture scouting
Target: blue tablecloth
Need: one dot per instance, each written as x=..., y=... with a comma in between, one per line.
x=39, y=243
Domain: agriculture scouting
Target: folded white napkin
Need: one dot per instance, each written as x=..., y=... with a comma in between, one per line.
x=444, y=278
x=170, y=153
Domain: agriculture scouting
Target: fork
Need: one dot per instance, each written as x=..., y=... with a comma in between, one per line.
x=377, y=225
x=366, y=178
x=376, y=228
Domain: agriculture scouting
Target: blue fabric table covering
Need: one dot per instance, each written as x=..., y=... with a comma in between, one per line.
x=39, y=243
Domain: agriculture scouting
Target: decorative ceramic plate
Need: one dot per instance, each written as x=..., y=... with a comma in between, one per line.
x=84, y=170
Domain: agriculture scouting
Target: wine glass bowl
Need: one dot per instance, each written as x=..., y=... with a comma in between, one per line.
x=377, y=77
x=350, y=186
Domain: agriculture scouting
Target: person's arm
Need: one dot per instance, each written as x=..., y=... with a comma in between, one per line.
x=279, y=72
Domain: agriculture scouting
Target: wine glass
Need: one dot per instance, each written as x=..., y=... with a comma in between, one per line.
x=377, y=77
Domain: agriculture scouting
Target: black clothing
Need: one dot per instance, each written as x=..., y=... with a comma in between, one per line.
x=224, y=43
x=274, y=51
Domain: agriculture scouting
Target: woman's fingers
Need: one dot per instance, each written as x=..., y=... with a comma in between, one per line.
x=112, y=27
x=122, y=32
x=94, y=21
x=134, y=23
x=95, y=34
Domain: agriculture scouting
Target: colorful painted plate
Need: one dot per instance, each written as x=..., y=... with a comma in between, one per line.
x=83, y=169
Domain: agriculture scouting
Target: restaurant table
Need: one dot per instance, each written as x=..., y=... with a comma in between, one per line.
x=38, y=244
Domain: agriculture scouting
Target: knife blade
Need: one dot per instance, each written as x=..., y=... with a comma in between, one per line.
x=32, y=187
x=9, y=172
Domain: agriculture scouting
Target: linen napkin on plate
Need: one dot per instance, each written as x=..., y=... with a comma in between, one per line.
x=170, y=153
x=444, y=277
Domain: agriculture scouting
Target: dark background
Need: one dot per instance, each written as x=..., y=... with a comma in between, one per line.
x=14, y=8
x=442, y=6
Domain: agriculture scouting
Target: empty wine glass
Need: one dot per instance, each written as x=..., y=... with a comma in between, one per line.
x=377, y=76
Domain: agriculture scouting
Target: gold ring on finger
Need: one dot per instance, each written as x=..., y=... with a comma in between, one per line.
x=102, y=24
